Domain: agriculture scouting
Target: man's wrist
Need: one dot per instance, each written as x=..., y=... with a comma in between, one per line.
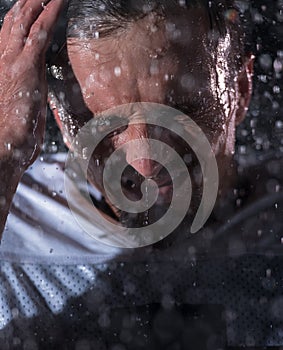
x=10, y=176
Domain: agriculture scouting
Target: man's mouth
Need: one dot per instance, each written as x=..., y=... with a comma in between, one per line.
x=133, y=189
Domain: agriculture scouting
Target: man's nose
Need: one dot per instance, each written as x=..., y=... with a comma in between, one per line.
x=139, y=157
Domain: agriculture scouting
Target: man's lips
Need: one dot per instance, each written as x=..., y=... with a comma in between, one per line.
x=132, y=190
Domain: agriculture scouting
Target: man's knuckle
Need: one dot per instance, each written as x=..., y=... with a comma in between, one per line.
x=37, y=27
x=24, y=15
x=21, y=16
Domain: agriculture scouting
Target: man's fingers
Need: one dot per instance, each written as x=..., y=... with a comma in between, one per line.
x=8, y=24
x=41, y=31
x=24, y=17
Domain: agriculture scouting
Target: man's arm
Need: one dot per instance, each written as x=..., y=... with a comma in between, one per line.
x=24, y=39
x=9, y=179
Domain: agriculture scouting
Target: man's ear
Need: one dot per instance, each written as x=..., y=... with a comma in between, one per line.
x=245, y=84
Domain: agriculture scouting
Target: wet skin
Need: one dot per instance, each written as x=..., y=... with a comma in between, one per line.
x=170, y=62
x=25, y=36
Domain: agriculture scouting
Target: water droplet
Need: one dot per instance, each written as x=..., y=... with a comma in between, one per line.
x=279, y=124
x=117, y=71
x=278, y=66
x=15, y=312
x=85, y=153
x=8, y=146
x=187, y=158
x=2, y=201
x=265, y=61
x=57, y=72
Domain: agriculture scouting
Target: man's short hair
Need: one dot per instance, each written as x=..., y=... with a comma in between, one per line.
x=89, y=18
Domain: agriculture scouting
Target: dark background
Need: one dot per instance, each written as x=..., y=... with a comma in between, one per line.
x=261, y=135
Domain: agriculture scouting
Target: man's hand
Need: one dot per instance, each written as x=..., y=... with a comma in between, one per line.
x=24, y=39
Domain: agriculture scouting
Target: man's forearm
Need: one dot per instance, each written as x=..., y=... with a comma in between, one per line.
x=10, y=176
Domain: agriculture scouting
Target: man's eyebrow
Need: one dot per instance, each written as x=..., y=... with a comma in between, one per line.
x=194, y=104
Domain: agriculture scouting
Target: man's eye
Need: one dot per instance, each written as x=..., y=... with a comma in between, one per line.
x=117, y=131
x=115, y=125
x=189, y=109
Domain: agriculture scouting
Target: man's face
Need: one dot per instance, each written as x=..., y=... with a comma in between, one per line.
x=166, y=61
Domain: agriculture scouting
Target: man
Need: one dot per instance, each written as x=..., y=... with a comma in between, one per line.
x=157, y=44
x=187, y=56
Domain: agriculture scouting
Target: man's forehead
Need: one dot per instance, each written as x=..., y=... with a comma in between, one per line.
x=179, y=27
x=156, y=60
x=152, y=43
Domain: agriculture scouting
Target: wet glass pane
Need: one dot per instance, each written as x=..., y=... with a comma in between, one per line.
x=141, y=174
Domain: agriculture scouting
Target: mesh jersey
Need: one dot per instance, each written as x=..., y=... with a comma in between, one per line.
x=61, y=288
